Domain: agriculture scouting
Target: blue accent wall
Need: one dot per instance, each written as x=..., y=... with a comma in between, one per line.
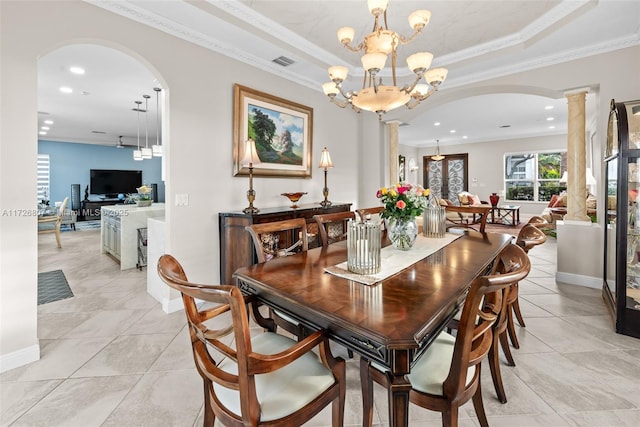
x=70, y=164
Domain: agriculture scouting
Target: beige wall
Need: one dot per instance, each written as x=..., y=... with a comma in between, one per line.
x=199, y=90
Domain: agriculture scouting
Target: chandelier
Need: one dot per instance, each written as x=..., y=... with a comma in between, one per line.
x=378, y=46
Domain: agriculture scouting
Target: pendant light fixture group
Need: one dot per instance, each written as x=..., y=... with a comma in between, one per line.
x=147, y=152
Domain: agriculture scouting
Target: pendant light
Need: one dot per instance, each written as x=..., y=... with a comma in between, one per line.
x=157, y=148
x=437, y=157
x=146, y=151
x=137, y=154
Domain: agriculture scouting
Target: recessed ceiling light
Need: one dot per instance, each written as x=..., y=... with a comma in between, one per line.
x=452, y=131
x=465, y=137
x=550, y=119
x=549, y=107
x=76, y=70
x=48, y=122
x=42, y=132
x=552, y=127
x=45, y=127
x=66, y=89
x=436, y=124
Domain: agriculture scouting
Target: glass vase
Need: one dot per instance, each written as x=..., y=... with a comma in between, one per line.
x=402, y=233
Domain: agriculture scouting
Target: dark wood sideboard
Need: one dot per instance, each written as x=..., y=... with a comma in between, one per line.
x=236, y=247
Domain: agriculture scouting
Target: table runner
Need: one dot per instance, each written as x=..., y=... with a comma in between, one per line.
x=393, y=260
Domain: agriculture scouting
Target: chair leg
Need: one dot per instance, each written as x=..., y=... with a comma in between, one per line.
x=58, y=237
x=504, y=342
x=518, y=313
x=511, y=328
x=494, y=367
x=337, y=407
x=450, y=417
x=209, y=416
x=366, y=383
x=478, y=405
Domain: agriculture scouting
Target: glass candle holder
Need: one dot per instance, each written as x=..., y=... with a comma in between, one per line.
x=434, y=221
x=363, y=247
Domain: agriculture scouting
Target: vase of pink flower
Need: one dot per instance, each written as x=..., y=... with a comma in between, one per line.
x=403, y=202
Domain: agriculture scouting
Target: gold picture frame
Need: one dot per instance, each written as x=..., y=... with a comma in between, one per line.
x=281, y=129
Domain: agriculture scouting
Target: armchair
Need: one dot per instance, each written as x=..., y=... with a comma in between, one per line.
x=51, y=224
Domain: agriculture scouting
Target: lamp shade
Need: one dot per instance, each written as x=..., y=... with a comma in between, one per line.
x=419, y=19
x=346, y=34
x=420, y=61
x=420, y=90
x=436, y=76
x=374, y=62
x=330, y=88
x=250, y=154
x=377, y=7
x=564, y=177
x=325, y=159
x=137, y=155
x=147, y=153
x=338, y=73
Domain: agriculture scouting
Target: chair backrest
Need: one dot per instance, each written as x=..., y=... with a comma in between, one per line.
x=474, y=337
x=333, y=227
x=279, y=238
x=538, y=221
x=476, y=215
x=530, y=236
x=369, y=211
x=206, y=341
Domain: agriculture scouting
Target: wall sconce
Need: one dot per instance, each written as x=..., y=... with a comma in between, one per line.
x=325, y=163
x=250, y=159
x=412, y=165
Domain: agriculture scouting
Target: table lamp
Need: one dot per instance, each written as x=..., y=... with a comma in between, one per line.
x=250, y=159
x=325, y=163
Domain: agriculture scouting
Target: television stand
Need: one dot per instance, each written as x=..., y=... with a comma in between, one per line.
x=91, y=208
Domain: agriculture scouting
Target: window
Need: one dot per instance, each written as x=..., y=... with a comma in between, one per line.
x=43, y=178
x=534, y=176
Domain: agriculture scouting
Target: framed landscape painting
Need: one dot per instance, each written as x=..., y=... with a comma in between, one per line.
x=281, y=130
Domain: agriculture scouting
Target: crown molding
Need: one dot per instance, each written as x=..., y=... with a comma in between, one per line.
x=144, y=16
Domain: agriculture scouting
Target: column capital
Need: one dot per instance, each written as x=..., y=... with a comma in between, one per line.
x=393, y=122
x=576, y=91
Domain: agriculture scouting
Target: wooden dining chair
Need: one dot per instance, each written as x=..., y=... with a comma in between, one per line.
x=538, y=221
x=528, y=237
x=273, y=240
x=364, y=213
x=447, y=373
x=510, y=260
x=51, y=224
x=332, y=227
x=473, y=216
x=267, y=379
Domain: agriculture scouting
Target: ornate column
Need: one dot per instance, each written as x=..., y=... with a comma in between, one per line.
x=393, y=125
x=576, y=156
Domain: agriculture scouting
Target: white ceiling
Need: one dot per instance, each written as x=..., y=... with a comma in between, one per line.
x=475, y=39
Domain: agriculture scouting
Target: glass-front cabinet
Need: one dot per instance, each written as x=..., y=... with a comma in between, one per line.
x=621, y=288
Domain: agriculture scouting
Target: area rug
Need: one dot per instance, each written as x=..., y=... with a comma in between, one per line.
x=53, y=286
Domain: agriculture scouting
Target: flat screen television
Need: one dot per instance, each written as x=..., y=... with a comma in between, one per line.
x=110, y=183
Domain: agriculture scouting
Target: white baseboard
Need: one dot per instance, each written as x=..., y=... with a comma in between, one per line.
x=576, y=279
x=172, y=305
x=19, y=358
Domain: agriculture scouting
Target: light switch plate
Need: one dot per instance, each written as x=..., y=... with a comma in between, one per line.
x=182, y=199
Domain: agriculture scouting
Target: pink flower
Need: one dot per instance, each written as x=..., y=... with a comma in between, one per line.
x=379, y=194
x=400, y=204
x=402, y=190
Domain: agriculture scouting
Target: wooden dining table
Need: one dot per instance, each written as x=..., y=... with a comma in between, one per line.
x=389, y=323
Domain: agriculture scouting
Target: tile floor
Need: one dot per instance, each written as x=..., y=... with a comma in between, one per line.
x=111, y=357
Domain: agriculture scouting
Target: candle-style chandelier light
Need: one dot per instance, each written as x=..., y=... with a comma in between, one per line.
x=378, y=46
